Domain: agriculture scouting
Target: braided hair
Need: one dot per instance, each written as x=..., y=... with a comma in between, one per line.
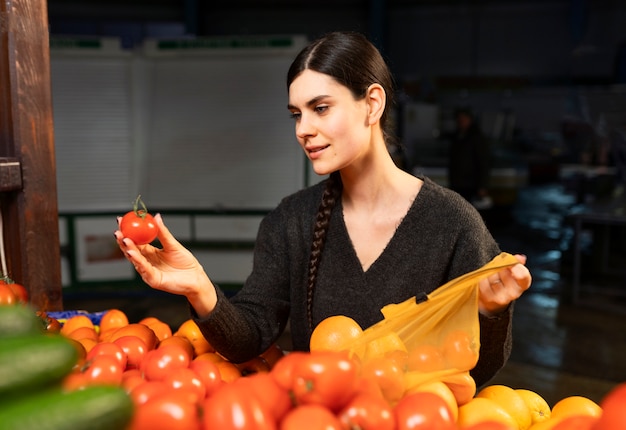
x=354, y=62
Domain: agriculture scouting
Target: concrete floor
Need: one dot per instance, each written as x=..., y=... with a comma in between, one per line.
x=560, y=349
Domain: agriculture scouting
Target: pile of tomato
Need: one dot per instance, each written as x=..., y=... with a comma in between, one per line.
x=12, y=293
x=177, y=381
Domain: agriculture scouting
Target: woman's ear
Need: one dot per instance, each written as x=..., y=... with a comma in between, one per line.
x=376, y=101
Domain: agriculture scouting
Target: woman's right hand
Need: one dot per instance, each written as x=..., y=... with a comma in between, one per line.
x=172, y=268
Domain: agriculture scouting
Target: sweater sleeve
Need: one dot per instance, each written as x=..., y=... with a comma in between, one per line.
x=227, y=330
x=243, y=326
x=496, y=341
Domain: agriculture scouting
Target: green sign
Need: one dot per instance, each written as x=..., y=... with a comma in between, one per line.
x=226, y=43
x=68, y=43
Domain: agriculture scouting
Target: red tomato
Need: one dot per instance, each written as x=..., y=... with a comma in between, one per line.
x=138, y=225
x=232, y=408
x=388, y=375
x=103, y=369
x=158, y=363
x=186, y=379
x=459, y=350
x=265, y=388
x=110, y=349
x=328, y=378
x=310, y=417
x=131, y=378
x=51, y=324
x=209, y=374
x=613, y=404
x=488, y=425
x=167, y=411
x=147, y=390
x=367, y=412
x=20, y=292
x=75, y=381
x=134, y=348
x=423, y=410
x=7, y=296
x=282, y=372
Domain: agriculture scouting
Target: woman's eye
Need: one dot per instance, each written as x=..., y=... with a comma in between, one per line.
x=295, y=115
x=321, y=109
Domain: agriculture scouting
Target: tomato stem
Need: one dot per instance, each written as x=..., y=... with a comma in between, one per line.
x=140, y=212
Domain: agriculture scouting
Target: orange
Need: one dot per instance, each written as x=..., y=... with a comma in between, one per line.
x=545, y=425
x=577, y=422
x=191, y=331
x=180, y=341
x=481, y=409
x=83, y=333
x=87, y=343
x=539, y=408
x=384, y=345
x=575, y=405
x=75, y=322
x=510, y=401
x=113, y=319
x=572, y=422
x=228, y=371
x=425, y=358
x=160, y=328
x=209, y=356
x=335, y=333
x=141, y=331
x=440, y=389
x=388, y=375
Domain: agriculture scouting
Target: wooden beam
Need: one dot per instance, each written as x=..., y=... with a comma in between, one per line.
x=30, y=212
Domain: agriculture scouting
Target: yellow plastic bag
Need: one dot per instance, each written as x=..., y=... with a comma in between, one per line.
x=439, y=337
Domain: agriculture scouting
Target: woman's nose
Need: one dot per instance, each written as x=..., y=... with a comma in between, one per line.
x=304, y=127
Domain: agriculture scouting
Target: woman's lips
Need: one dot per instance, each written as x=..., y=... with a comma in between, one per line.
x=316, y=152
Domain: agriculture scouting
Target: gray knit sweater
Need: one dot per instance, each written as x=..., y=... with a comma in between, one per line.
x=440, y=238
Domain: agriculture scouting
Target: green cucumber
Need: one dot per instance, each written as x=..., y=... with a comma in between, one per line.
x=92, y=408
x=33, y=362
x=19, y=320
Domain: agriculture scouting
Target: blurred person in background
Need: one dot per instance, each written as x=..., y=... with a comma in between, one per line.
x=469, y=160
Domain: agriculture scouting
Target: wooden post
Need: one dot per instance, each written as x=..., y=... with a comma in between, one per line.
x=28, y=200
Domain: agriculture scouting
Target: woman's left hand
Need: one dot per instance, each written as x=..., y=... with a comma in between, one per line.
x=497, y=291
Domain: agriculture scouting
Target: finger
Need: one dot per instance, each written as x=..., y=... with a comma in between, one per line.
x=494, y=279
x=521, y=275
x=148, y=273
x=521, y=258
x=166, y=238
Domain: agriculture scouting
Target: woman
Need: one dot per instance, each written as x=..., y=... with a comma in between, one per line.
x=369, y=235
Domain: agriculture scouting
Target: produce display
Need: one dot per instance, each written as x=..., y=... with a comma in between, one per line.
x=121, y=374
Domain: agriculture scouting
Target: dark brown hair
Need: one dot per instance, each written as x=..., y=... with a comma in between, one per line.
x=353, y=61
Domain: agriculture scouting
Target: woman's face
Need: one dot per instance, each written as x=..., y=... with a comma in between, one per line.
x=331, y=126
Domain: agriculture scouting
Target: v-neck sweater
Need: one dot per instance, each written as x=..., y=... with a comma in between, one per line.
x=441, y=237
